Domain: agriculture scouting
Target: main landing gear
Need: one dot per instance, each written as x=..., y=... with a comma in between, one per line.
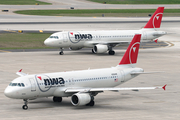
x=25, y=107
x=61, y=53
x=91, y=103
x=57, y=99
x=111, y=52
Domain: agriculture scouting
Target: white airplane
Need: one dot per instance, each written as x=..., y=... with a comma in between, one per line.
x=103, y=41
x=81, y=85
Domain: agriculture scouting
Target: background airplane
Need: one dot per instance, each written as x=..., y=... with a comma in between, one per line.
x=103, y=41
x=81, y=85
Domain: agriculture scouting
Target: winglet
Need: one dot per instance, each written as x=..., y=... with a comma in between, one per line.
x=131, y=54
x=164, y=87
x=156, y=40
x=20, y=73
x=155, y=20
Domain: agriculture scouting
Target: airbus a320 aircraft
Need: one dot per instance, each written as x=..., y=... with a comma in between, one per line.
x=103, y=41
x=82, y=85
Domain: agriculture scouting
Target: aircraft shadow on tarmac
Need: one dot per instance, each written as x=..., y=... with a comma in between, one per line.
x=101, y=103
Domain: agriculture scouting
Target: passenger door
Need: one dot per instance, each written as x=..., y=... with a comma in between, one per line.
x=33, y=84
x=65, y=37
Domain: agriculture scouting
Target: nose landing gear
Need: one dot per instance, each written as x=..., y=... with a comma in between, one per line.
x=25, y=107
x=61, y=53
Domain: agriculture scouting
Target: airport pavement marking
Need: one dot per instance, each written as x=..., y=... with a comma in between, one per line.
x=169, y=44
x=4, y=51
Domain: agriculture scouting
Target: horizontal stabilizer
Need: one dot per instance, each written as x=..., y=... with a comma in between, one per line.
x=137, y=73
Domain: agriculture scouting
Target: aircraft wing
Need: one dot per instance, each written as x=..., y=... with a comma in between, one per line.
x=74, y=90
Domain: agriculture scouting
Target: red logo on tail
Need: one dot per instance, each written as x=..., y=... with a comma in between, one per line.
x=155, y=20
x=130, y=57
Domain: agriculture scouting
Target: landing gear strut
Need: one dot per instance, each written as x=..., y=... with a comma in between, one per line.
x=25, y=107
x=61, y=53
x=57, y=99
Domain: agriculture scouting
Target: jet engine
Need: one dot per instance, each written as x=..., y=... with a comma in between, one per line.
x=79, y=99
x=100, y=48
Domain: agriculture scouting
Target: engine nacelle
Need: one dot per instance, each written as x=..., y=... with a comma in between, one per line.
x=100, y=48
x=75, y=48
x=79, y=99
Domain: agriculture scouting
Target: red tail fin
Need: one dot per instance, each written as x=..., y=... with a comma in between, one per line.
x=131, y=54
x=155, y=21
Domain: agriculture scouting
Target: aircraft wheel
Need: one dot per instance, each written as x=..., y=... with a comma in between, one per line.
x=111, y=52
x=25, y=107
x=91, y=103
x=61, y=53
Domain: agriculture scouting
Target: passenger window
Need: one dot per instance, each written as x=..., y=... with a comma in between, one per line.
x=22, y=84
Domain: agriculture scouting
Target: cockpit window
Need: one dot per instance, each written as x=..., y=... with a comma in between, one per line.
x=14, y=84
x=22, y=84
x=56, y=37
x=17, y=84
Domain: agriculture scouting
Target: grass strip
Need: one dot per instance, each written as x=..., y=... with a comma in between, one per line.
x=86, y=12
x=23, y=2
x=23, y=40
x=137, y=1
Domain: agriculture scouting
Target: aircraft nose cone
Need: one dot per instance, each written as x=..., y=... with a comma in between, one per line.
x=8, y=92
x=46, y=42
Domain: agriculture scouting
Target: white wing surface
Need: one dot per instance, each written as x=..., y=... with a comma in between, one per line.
x=74, y=90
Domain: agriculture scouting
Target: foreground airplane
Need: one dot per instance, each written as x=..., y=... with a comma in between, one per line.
x=103, y=41
x=82, y=85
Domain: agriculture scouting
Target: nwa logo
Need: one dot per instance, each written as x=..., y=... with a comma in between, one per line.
x=75, y=37
x=45, y=82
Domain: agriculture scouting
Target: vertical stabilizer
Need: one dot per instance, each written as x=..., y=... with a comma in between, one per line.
x=131, y=54
x=155, y=20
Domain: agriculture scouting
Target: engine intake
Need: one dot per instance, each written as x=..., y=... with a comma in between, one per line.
x=80, y=99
